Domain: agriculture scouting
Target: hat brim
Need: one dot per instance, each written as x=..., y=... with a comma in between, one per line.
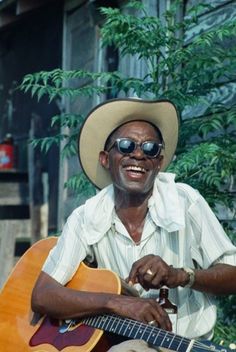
x=107, y=116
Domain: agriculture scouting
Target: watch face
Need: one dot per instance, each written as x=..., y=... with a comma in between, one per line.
x=191, y=274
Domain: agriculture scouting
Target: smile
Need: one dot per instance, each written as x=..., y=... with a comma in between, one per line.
x=135, y=169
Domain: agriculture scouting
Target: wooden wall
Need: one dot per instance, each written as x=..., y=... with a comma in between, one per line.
x=30, y=42
x=221, y=12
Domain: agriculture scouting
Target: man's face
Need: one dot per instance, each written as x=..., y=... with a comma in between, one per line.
x=134, y=172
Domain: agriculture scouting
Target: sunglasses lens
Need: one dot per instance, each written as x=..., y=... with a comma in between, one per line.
x=126, y=146
x=151, y=149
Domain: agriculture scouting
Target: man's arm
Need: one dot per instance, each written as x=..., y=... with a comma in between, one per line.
x=220, y=279
x=51, y=298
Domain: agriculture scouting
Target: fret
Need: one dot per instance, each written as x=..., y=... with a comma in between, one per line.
x=131, y=331
x=121, y=326
x=103, y=319
x=110, y=323
x=88, y=320
x=97, y=322
x=190, y=346
x=149, y=335
x=113, y=328
x=138, y=332
x=127, y=327
x=159, y=340
x=174, y=343
x=144, y=331
x=166, y=341
x=154, y=336
x=180, y=344
x=120, y=331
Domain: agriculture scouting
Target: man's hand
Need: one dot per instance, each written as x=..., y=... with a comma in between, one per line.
x=152, y=272
x=145, y=310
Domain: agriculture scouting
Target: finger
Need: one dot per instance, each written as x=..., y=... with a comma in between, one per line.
x=160, y=315
x=133, y=275
x=142, y=265
x=159, y=320
x=157, y=280
x=162, y=319
x=149, y=272
x=154, y=280
x=149, y=280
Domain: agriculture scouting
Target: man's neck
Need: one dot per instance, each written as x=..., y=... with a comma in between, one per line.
x=132, y=211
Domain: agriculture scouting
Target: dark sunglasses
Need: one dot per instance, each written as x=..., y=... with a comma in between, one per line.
x=126, y=146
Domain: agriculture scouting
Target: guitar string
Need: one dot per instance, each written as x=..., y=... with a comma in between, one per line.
x=161, y=333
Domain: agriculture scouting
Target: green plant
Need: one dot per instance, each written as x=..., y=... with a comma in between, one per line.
x=225, y=334
x=185, y=72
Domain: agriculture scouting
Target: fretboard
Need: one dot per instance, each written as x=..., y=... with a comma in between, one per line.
x=136, y=330
x=155, y=336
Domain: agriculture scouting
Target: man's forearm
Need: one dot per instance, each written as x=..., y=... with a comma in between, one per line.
x=51, y=298
x=220, y=279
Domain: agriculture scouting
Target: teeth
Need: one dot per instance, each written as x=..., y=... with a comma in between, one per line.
x=135, y=168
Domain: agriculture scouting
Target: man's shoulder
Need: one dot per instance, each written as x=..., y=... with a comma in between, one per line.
x=187, y=191
x=79, y=210
x=76, y=213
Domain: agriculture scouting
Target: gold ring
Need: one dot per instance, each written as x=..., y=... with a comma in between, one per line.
x=152, y=322
x=149, y=272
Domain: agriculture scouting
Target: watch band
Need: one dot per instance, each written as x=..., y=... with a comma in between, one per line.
x=191, y=275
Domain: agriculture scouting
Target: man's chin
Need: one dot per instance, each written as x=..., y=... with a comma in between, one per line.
x=136, y=188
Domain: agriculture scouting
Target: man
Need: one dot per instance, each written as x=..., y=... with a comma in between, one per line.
x=141, y=225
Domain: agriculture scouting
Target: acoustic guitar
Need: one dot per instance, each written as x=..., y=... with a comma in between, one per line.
x=21, y=330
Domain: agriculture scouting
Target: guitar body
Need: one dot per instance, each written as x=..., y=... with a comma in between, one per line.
x=22, y=331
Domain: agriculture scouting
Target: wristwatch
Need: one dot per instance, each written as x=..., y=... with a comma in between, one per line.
x=191, y=275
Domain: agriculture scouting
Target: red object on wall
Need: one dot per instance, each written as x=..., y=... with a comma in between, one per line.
x=7, y=154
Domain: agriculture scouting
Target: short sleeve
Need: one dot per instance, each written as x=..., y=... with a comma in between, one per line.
x=70, y=250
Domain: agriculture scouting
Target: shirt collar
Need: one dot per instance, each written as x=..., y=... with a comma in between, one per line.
x=164, y=207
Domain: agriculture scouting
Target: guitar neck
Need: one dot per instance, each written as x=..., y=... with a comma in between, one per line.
x=136, y=330
x=155, y=336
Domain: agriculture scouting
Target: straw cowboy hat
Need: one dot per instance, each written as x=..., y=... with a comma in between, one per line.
x=107, y=116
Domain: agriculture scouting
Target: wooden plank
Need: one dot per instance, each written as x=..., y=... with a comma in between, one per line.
x=213, y=3
x=14, y=193
x=38, y=182
x=11, y=231
x=224, y=94
x=212, y=19
x=7, y=249
x=39, y=217
x=80, y=50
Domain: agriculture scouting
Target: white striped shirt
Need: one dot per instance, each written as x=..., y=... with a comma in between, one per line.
x=180, y=227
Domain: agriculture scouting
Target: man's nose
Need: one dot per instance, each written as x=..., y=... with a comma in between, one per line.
x=138, y=152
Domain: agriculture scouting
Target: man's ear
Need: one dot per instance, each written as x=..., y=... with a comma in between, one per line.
x=104, y=159
x=160, y=160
